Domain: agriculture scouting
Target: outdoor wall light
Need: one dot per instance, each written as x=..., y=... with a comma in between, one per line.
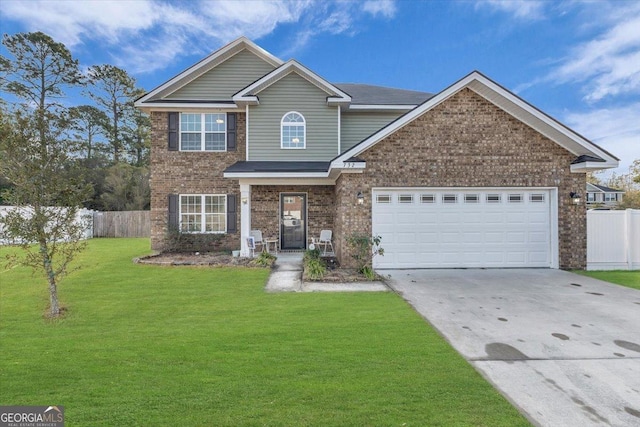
x=576, y=198
x=360, y=198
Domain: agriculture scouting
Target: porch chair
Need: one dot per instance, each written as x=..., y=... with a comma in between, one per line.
x=257, y=238
x=325, y=240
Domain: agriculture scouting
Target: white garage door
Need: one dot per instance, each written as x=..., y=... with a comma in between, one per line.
x=451, y=228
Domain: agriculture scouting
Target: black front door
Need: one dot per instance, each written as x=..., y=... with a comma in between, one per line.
x=293, y=221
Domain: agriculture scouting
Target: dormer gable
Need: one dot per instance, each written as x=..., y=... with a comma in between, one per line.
x=250, y=94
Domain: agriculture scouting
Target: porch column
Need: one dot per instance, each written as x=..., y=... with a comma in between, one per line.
x=245, y=218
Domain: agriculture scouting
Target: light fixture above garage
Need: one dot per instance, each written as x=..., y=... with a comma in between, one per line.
x=576, y=198
x=360, y=198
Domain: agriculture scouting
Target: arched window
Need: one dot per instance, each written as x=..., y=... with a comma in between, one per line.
x=293, y=131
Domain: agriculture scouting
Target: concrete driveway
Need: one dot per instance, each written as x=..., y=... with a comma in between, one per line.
x=563, y=348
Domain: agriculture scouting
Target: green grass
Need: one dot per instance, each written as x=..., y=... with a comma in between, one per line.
x=147, y=345
x=630, y=279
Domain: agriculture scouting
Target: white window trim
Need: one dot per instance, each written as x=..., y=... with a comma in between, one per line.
x=202, y=133
x=304, y=128
x=202, y=214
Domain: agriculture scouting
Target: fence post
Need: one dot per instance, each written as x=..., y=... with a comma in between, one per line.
x=628, y=232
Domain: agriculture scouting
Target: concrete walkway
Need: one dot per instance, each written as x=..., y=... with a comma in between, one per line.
x=563, y=348
x=286, y=276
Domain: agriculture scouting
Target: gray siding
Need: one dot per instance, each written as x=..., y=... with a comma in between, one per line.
x=293, y=93
x=225, y=79
x=357, y=126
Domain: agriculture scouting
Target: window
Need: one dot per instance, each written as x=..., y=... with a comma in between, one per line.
x=515, y=198
x=591, y=197
x=610, y=197
x=203, y=213
x=449, y=198
x=494, y=198
x=471, y=198
x=383, y=198
x=202, y=132
x=293, y=131
x=427, y=198
x=405, y=198
x=536, y=198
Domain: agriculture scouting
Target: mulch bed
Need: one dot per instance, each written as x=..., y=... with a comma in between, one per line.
x=211, y=259
x=222, y=259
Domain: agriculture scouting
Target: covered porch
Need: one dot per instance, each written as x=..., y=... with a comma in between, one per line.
x=288, y=215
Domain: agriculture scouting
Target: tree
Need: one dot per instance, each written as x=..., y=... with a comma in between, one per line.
x=116, y=91
x=139, y=138
x=88, y=123
x=126, y=188
x=35, y=158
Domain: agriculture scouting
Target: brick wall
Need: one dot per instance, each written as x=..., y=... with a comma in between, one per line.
x=465, y=141
x=176, y=172
x=265, y=207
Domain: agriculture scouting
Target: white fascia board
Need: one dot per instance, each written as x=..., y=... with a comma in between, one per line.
x=381, y=107
x=186, y=106
x=284, y=70
x=246, y=100
x=593, y=189
x=239, y=175
x=201, y=67
x=593, y=166
x=286, y=181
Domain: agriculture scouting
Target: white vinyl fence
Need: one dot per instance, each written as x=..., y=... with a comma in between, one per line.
x=613, y=240
x=84, y=215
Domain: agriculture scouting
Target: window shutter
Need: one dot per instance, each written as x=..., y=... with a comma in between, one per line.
x=231, y=132
x=174, y=222
x=232, y=214
x=173, y=119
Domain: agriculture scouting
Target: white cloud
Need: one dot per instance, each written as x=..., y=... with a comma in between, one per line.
x=521, y=9
x=609, y=64
x=617, y=130
x=146, y=35
x=386, y=8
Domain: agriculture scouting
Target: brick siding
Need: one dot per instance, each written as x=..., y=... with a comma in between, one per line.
x=465, y=142
x=179, y=172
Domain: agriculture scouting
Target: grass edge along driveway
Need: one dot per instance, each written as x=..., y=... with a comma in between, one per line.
x=628, y=278
x=149, y=345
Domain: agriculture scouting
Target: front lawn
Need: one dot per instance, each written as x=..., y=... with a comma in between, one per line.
x=630, y=279
x=151, y=345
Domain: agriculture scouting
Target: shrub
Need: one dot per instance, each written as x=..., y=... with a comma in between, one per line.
x=265, y=259
x=311, y=254
x=315, y=268
x=363, y=249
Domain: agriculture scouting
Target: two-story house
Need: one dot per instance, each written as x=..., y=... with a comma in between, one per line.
x=472, y=176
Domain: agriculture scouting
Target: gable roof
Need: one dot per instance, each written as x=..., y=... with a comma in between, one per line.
x=249, y=93
x=602, y=188
x=205, y=65
x=363, y=94
x=512, y=104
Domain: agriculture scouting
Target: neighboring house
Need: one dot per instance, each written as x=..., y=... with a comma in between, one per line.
x=601, y=196
x=472, y=176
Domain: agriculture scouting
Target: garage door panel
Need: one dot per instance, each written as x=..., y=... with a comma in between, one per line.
x=486, y=230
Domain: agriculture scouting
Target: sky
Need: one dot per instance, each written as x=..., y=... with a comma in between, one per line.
x=578, y=61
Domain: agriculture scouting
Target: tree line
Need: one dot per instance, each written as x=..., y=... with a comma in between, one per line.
x=105, y=140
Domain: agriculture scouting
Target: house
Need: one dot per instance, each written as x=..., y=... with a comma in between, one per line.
x=602, y=197
x=472, y=176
